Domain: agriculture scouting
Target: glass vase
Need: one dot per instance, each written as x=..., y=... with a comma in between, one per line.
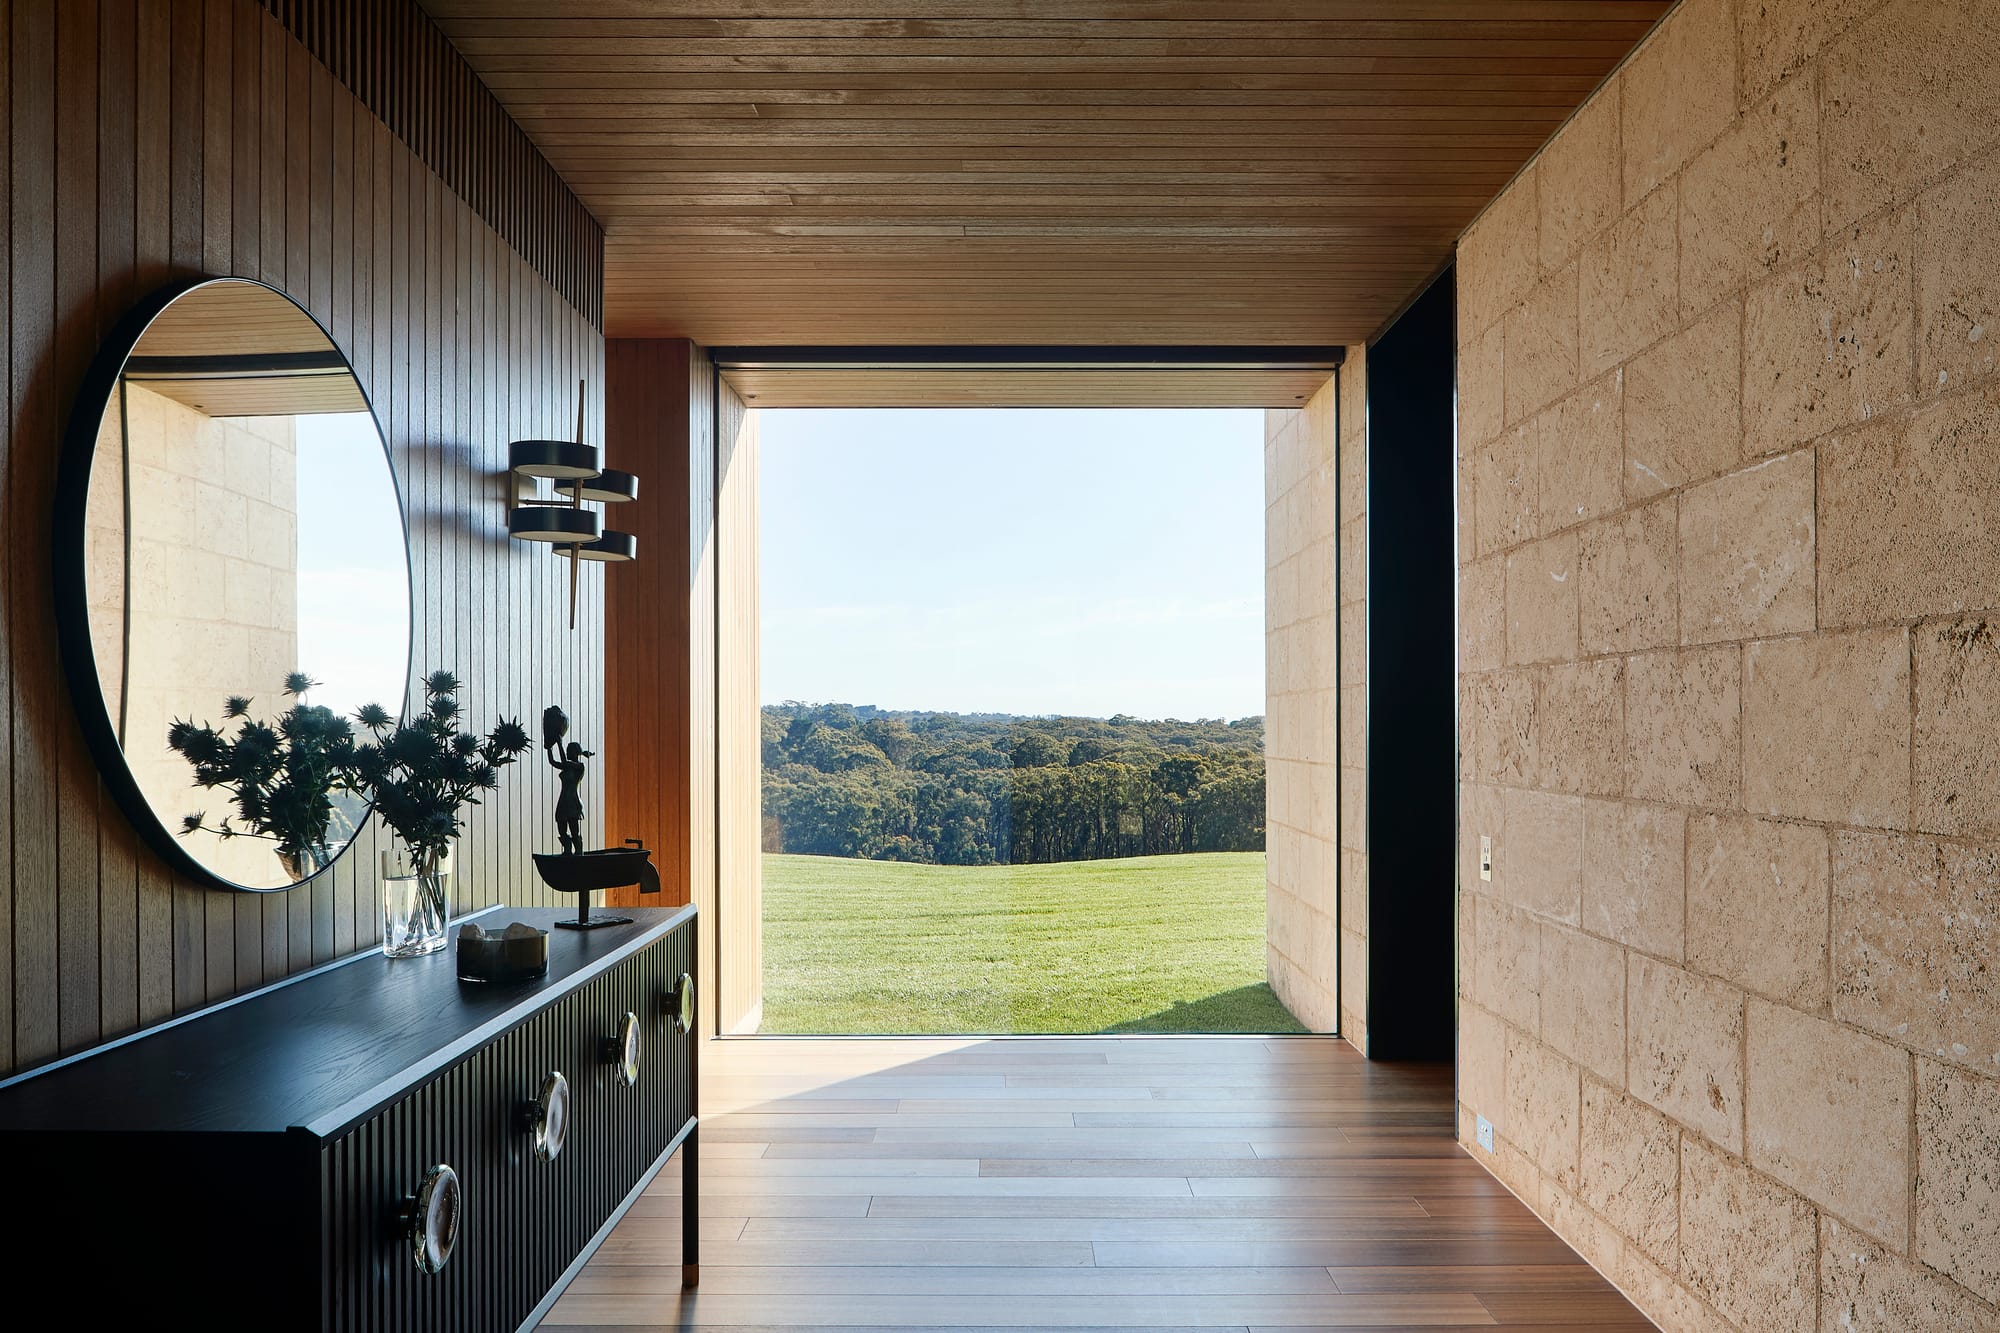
x=416, y=905
x=305, y=862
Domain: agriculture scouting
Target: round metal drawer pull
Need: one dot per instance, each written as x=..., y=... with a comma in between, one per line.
x=622, y=1051
x=679, y=1004
x=546, y=1118
x=430, y=1219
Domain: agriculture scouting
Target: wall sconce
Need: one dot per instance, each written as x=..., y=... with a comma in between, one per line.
x=608, y=486
x=579, y=477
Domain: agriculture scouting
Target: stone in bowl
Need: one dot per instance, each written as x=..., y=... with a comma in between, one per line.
x=517, y=953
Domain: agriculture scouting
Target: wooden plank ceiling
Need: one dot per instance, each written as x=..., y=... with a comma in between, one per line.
x=1195, y=172
x=897, y=386
x=231, y=349
x=861, y=376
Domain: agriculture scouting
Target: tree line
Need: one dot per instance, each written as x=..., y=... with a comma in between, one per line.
x=991, y=788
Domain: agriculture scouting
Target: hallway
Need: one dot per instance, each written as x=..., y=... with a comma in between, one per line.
x=1163, y=1183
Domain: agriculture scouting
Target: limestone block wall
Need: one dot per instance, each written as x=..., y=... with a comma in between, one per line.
x=1352, y=814
x=1730, y=674
x=214, y=605
x=1300, y=624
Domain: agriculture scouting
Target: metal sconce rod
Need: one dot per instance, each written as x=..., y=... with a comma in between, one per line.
x=576, y=502
x=576, y=469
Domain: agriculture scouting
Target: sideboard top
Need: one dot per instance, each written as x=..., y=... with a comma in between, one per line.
x=320, y=1051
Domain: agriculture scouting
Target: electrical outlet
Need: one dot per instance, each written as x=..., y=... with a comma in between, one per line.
x=1485, y=858
x=1484, y=1132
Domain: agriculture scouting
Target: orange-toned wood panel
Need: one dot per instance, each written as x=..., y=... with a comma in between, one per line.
x=157, y=139
x=682, y=758
x=650, y=428
x=660, y=644
x=1040, y=171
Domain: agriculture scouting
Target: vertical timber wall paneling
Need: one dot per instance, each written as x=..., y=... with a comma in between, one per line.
x=739, y=921
x=1302, y=856
x=403, y=68
x=682, y=763
x=1730, y=415
x=158, y=139
x=1350, y=801
x=1410, y=784
x=658, y=419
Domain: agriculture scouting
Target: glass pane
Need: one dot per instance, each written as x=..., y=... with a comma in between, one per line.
x=1013, y=744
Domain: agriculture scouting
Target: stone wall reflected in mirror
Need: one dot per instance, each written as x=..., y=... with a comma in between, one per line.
x=242, y=524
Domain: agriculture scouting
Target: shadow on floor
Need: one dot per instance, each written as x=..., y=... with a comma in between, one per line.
x=1247, y=1009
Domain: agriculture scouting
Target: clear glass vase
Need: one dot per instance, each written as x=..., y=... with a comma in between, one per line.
x=416, y=904
x=305, y=862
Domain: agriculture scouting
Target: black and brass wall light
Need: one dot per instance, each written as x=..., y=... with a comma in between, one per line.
x=577, y=476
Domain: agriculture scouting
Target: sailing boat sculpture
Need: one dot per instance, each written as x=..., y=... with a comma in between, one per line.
x=573, y=870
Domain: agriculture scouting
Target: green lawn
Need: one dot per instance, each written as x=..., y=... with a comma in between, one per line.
x=1144, y=944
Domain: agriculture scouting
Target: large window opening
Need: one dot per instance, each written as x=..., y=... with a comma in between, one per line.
x=1012, y=683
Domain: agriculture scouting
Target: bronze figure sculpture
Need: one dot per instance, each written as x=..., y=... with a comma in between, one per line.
x=569, y=763
x=573, y=870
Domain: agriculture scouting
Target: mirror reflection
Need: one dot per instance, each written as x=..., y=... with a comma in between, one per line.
x=247, y=577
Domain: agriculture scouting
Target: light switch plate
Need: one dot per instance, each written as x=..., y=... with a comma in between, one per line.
x=1484, y=1132
x=1485, y=858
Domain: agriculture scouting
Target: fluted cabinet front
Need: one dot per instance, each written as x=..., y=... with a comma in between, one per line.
x=293, y=1134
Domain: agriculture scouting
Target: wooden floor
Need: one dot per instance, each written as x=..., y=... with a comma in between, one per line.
x=1161, y=1183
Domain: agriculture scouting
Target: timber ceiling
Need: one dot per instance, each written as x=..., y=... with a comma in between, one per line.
x=1228, y=172
x=238, y=349
x=1024, y=377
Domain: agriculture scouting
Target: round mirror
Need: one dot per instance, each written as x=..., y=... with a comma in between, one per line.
x=233, y=580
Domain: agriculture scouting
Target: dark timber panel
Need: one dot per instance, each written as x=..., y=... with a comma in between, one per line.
x=401, y=68
x=148, y=140
x=1412, y=693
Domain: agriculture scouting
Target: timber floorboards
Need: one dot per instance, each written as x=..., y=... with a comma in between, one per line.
x=1083, y=1183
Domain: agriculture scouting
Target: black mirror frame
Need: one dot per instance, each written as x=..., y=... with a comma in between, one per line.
x=70, y=555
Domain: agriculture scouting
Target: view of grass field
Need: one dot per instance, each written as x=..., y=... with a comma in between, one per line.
x=1011, y=669
x=1138, y=944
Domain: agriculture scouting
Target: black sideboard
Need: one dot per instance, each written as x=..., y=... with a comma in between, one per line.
x=252, y=1165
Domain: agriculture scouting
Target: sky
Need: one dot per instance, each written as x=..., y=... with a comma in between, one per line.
x=1011, y=561
x=354, y=592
